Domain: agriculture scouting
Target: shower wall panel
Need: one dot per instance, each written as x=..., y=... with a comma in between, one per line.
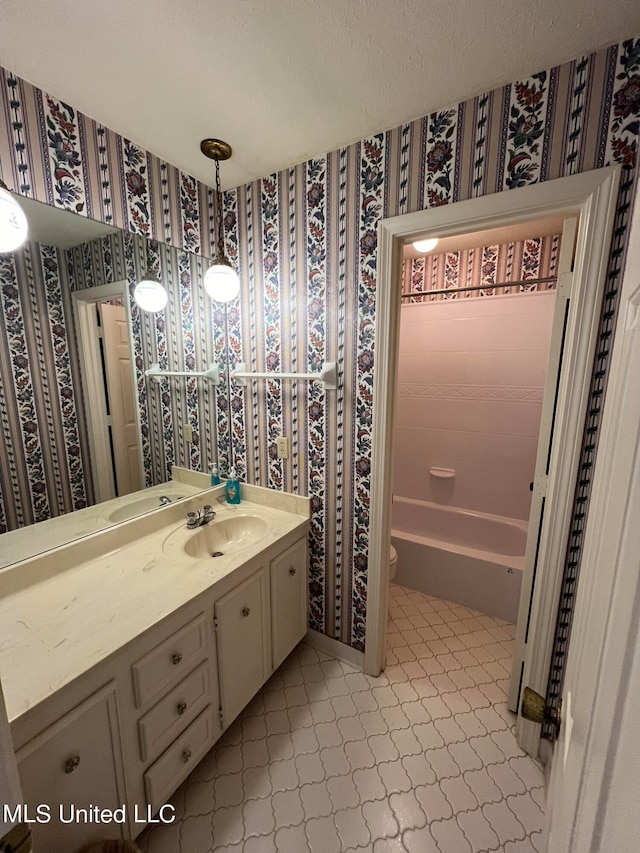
x=471, y=378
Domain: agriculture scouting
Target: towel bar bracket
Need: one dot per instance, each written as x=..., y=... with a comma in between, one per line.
x=212, y=373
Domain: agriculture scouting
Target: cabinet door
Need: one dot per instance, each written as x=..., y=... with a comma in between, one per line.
x=288, y=600
x=244, y=648
x=76, y=764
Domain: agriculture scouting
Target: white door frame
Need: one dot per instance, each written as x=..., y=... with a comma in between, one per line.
x=93, y=383
x=592, y=195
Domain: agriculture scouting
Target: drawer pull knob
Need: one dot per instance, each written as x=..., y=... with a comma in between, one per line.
x=175, y=660
x=182, y=707
x=245, y=611
x=71, y=764
x=186, y=755
x=292, y=572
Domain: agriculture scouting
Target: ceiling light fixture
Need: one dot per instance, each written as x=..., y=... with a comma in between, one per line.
x=221, y=280
x=149, y=293
x=425, y=245
x=13, y=222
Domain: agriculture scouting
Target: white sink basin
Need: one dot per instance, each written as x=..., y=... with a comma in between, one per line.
x=219, y=537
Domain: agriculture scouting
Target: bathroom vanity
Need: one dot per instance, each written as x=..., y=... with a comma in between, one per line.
x=125, y=655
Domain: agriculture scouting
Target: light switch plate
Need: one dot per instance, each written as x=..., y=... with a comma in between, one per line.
x=187, y=433
x=282, y=444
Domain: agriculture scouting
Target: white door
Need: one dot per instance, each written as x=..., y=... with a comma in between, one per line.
x=118, y=370
x=545, y=438
x=595, y=777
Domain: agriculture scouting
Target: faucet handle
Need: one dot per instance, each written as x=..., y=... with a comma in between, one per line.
x=192, y=519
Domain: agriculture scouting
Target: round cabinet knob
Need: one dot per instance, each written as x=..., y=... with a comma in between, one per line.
x=292, y=572
x=177, y=657
x=245, y=611
x=186, y=755
x=182, y=707
x=71, y=764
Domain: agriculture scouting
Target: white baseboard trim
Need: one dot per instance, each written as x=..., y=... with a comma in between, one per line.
x=334, y=648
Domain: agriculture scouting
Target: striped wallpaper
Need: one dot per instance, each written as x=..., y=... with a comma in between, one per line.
x=305, y=244
x=482, y=267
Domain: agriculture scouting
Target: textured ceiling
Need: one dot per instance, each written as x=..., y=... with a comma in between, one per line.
x=284, y=80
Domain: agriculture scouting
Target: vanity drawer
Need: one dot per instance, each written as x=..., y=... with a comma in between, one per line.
x=165, y=721
x=167, y=663
x=174, y=765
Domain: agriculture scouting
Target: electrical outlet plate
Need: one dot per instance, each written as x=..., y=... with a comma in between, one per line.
x=187, y=433
x=282, y=444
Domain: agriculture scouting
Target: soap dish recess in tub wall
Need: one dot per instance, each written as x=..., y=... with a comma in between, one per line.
x=442, y=473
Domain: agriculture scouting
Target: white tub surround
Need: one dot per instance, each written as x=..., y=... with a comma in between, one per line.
x=123, y=658
x=471, y=376
x=472, y=558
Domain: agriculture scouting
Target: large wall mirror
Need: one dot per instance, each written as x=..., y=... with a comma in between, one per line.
x=69, y=285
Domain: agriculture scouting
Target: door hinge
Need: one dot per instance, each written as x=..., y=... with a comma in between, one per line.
x=539, y=485
x=565, y=285
x=215, y=623
x=534, y=707
x=221, y=717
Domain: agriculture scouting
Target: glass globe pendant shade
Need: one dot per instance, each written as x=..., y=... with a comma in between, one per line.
x=221, y=281
x=149, y=294
x=13, y=222
x=425, y=245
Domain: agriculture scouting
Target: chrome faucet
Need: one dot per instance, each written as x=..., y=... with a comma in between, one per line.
x=164, y=500
x=197, y=519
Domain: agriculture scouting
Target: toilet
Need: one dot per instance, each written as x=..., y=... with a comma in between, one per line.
x=393, y=562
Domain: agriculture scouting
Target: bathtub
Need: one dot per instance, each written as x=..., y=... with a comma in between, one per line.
x=472, y=558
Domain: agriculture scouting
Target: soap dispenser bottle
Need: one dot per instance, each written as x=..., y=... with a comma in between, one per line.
x=233, y=487
x=215, y=477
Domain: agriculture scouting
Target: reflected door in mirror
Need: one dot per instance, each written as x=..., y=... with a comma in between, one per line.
x=119, y=381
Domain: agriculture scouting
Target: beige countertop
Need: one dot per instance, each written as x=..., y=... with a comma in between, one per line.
x=65, y=611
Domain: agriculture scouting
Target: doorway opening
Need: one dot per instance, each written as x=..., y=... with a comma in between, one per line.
x=108, y=371
x=589, y=200
x=475, y=337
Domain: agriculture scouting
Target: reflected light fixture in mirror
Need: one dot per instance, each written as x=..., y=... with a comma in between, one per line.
x=221, y=280
x=426, y=245
x=13, y=222
x=149, y=293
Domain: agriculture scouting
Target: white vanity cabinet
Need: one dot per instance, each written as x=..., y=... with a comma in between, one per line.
x=76, y=763
x=127, y=731
x=289, y=599
x=243, y=641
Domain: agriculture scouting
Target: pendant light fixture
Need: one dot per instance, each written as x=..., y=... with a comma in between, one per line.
x=149, y=293
x=13, y=222
x=221, y=280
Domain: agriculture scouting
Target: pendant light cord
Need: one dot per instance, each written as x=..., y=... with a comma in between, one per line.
x=220, y=241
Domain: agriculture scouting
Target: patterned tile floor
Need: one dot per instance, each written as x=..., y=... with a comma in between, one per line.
x=325, y=759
